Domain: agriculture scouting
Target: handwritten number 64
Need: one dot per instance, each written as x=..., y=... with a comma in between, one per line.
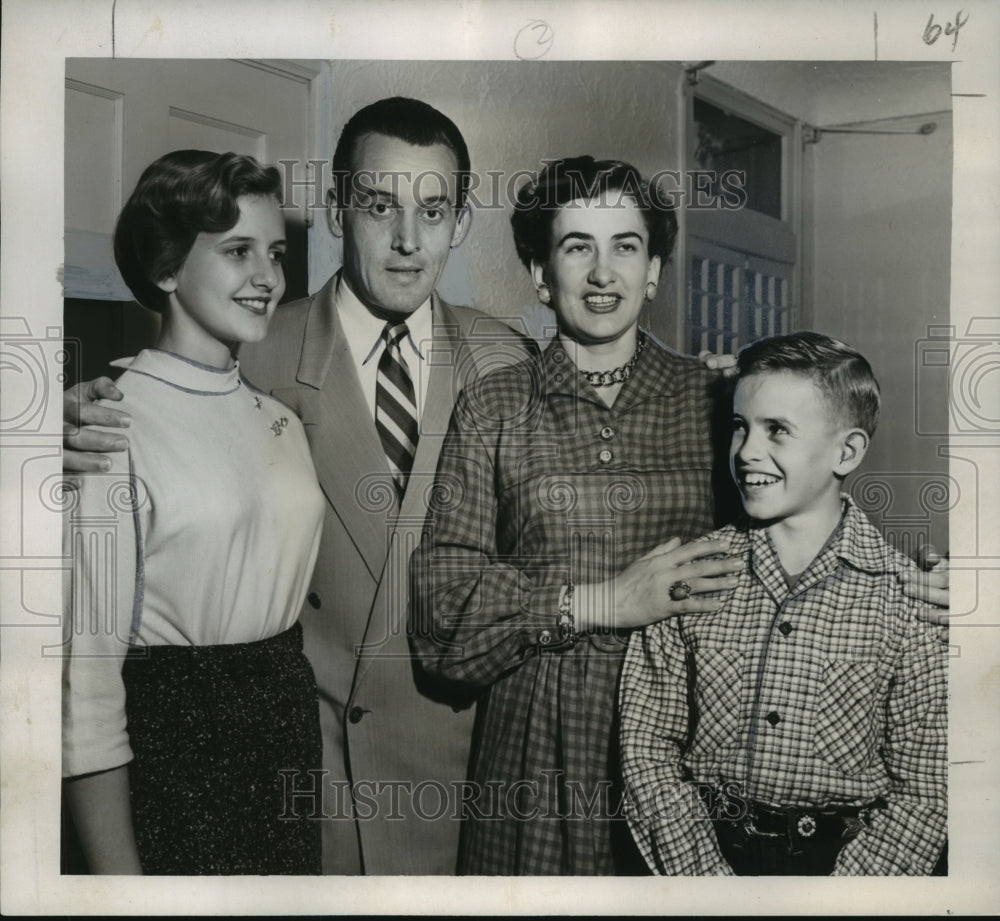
x=933, y=31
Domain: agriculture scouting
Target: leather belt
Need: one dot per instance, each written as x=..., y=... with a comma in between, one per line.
x=798, y=825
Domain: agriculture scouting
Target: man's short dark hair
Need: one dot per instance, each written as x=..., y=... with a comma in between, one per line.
x=178, y=196
x=563, y=181
x=841, y=373
x=405, y=119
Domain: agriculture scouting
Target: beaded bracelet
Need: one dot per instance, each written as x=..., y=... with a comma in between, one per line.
x=564, y=622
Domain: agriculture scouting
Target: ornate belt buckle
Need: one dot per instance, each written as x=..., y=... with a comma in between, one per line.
x=806, y=826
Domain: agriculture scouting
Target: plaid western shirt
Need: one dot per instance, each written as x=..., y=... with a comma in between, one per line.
x=539, y=483
x=831, y=693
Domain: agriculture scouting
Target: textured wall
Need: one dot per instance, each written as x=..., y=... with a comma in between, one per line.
x=513, y=114
x=880, y=252
x=877, y=257
x=876, y=228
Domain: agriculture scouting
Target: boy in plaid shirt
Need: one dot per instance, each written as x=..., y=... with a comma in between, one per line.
x=802, y=728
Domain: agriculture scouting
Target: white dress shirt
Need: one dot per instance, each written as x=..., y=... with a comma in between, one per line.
x=364, y=336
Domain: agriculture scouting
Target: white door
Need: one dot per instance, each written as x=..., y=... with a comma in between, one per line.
x=123, y=114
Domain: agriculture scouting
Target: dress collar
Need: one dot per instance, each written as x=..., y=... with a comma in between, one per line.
x=654, y=375
x=183, y=373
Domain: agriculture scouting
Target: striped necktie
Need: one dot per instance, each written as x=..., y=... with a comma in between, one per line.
x=396, y=406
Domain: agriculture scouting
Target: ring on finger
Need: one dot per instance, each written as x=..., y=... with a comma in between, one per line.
x=679, y=591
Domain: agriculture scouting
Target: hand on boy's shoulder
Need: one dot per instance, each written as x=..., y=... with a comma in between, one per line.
x=914, y=586
x=927, y=580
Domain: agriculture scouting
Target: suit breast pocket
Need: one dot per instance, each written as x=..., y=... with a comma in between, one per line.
x=716, y=679
x=846, y=715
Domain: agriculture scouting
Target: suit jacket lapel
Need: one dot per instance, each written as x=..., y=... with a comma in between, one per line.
x=350, y=464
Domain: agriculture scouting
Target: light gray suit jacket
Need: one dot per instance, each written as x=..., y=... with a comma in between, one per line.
x=390, y=738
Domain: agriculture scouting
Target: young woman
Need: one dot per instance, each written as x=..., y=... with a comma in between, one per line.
x=189, y=710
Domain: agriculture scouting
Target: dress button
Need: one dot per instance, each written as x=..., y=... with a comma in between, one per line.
x=314, y=600
x=355, y=714
x=605, y=456
x=773, y=718
x=785, y=628
x=607, y=433
x=544, y=637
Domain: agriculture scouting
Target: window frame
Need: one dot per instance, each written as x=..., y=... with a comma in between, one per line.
x=763, y=241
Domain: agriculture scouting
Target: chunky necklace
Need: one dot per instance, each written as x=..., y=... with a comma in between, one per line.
x=617, y=375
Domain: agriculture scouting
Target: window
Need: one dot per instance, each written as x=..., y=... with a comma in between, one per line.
x=728, y=142
x=741, y=260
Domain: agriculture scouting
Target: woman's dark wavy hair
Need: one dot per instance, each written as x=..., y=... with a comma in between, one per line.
x=562, y=181
x=178, y=196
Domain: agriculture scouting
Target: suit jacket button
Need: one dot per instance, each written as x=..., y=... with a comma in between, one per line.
x=314, y=599
x=355, y=714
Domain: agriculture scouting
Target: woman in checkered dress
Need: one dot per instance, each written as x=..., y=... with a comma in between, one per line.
x=565, y=487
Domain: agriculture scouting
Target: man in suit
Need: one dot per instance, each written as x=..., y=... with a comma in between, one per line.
x=396, y=748
x=398, y=202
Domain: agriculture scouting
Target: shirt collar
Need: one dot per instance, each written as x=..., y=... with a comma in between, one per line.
x=860, y=544
x=856, y=542
x=363, y=329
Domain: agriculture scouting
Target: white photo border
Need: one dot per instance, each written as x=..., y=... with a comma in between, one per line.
x=37, y=38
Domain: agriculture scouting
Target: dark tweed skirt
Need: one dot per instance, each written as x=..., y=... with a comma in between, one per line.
x=211, y=727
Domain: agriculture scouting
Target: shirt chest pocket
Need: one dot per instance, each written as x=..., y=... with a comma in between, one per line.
x=846, y=715
x=715, y=679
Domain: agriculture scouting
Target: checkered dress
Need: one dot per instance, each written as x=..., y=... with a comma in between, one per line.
x=540, y=483
x=831, y=693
